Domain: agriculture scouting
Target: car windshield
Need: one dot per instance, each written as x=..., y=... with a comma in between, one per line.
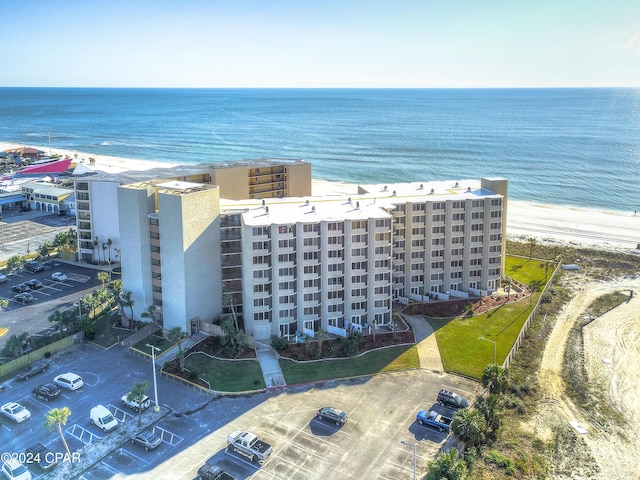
x=108, y=419
x=17, y=409
x=19, y=470
x=150, y=438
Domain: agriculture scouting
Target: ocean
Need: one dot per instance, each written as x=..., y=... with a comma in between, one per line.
x=577, y=147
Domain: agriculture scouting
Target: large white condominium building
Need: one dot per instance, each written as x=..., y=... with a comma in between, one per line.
x=289, y=265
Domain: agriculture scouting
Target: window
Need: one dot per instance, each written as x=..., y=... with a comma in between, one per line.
x=458, y=240
x=438, y=206
x=475, y=250
x=458, y=204
x=283, y=229
x=283, y=272
x=418, y=219
x=437, y=241
x=475, y=261
x=333, y=253
x=259, y=231
x=314, y=255
x=381, y=264
x=310, y=227
x=456, y=275
x=477, y=227
x=496, y=202
x=457, y=251
x=382, y=222
x=477, y=238
x=359, y=224
x=285, y=257
x=477, y=215
x=335, y=267
x=334, y=227
x=437, y=264
x=496, y=214
x=261, y=245
x=477, y=203
x=495, y=237
x=257, y=316
x=417, y=231
x=437, y=253
x=418, y=207
x=495, y=225
x=286, y=243
x=457, y=228
x=456, y=263
x=380, y=237
x=419, y=243
x=437, y=276
x=457, y=216
x=495, y=248
x=437, y=218
x=359, y=265
x=437, y=230
x=359, y=292
x=418, y=255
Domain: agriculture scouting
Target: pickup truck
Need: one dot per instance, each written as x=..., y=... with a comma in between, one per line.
x=135, y=405
x=434, y=419
x=249, y=445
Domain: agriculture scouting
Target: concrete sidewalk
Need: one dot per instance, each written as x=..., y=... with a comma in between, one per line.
x=270, y=366
x=428, y=351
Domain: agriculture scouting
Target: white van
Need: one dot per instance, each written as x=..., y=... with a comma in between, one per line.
x=103, y=419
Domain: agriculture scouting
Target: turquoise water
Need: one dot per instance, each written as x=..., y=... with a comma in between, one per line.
x=561, y=146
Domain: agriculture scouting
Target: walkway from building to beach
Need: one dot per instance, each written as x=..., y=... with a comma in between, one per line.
x=428, y=351
x=270, y=366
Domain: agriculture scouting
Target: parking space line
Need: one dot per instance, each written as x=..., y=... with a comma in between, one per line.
x=72, y=432
x=173, y=438
x=119, y=414
x=140, y=459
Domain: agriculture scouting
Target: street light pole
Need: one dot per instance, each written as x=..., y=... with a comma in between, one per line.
x=155, y=384
x=415, y=447
x=494, y=347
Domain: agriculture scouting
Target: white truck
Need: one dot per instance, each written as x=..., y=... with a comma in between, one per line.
x=134, y=404
x=249, y=445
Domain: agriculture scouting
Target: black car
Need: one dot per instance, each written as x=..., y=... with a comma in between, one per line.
x=47, y=391
x=41, y=455
x=333, y=415
x=33, y=266
x=20, y=288
x=34, y=368
x=25, y=297
x=148, y=440
x=452, y=400
x=213, y=472
x=34, y=283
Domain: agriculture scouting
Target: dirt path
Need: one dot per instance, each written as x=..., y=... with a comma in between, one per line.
x=612, y=359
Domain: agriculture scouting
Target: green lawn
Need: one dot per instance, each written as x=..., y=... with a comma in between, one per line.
x=462, y=350
x=106, y=335
x=155, y=340
x=226, y=375
x=386, y=360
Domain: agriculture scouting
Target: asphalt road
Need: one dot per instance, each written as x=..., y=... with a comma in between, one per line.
x=381, y=412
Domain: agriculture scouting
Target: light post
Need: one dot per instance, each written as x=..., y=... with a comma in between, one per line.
x=494, y=347
x=415, y=447
x=155, y=384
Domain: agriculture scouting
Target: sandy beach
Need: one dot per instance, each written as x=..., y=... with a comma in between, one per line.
x=549, y=224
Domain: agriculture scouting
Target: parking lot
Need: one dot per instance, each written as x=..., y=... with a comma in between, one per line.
x=381, y=411
x=32, y=317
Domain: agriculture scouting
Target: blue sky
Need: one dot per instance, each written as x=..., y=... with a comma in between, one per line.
x=324, y=43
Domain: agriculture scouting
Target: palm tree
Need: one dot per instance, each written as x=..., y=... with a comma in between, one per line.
x=447, y=467
x=469, y=427
x=127, y=302
x=495, y=379
x=104, y=252
x=176, y=335
x=491, y=408
x=136, y=395
x=95, y=246
x=104, y=278
x=109, y=242
x=150, y=313
x=229, y=301
x=532, y=243
x=56, y=418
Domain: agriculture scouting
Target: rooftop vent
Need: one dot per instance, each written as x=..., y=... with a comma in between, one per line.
x=456, y=185
x=266, y=209
x=313, y=208
x=357, y=204
x=307, y=202
x=263, y=203
x=432, y=191
x=384, y=189
x=394, y=193
x=421, y=186
x=349, y=201
x=468, y=189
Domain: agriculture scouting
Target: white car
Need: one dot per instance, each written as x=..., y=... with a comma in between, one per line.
x=14, y=470
x=15, y=412
x=58, y=277
x=3, y=278
x=69, y=381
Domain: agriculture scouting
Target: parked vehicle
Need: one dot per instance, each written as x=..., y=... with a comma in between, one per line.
x=331, y=414
x=213, y=472
x=450, y=399
x=20, y=288
x=42, y=456
x=3, y=278
x=33, y=266
x=102, y=418
x=25, y=297
x=434, y=419
x=34, y=284
x=33, y=369
x=15, y=412
x=148, y=440
x=69, y=381
x=14, y=470
x=249, y=445
x=58, y=277
x=46, y=392
x=135, y=405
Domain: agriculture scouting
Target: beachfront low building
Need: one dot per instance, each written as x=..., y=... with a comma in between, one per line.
x=293, y=266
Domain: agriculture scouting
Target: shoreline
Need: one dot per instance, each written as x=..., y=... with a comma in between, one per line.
x=547, y=223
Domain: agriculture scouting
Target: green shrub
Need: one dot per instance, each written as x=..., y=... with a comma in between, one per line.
x=279, y=343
